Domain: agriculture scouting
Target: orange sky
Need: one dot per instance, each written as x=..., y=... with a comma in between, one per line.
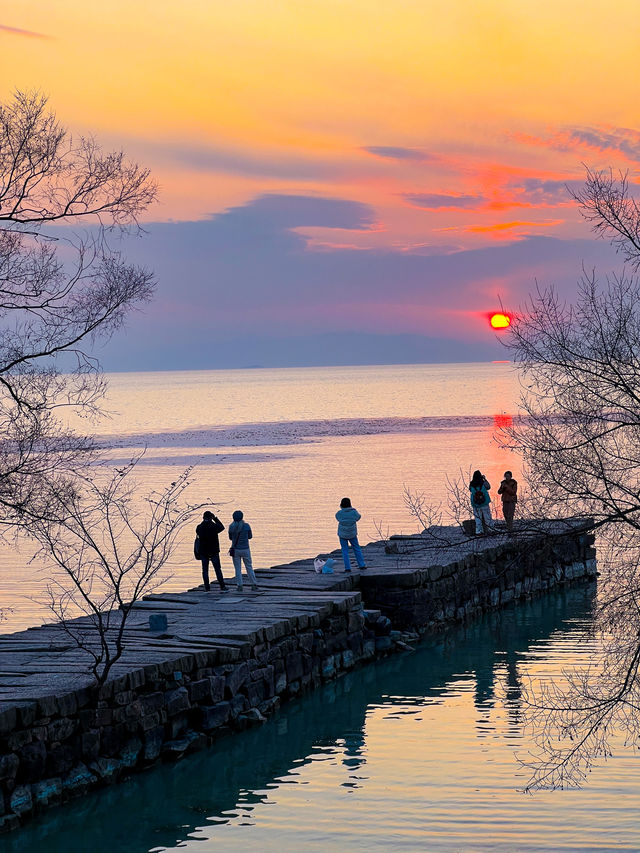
x=456, y=122
x=228, y=100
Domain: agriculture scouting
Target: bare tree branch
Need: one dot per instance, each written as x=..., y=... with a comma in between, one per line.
x=580, y=443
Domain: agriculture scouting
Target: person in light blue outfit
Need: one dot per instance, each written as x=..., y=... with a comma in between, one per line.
x=240, y=533
x=348, y=518
x=480, y=500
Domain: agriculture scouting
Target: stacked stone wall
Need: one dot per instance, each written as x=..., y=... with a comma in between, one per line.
x=61, y=746
x=488, y=578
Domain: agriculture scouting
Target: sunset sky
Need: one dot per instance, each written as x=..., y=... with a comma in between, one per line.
x=342, y=181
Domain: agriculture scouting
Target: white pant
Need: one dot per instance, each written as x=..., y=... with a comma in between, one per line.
x=482, y=514
x=243, y=555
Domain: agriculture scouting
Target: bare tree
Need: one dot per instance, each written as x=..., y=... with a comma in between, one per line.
x=107, y=548
x=59, y=292
x=427, y=514
x=580, y=442
x=606, y=202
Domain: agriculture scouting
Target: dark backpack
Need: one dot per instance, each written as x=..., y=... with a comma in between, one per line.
x=478, y=498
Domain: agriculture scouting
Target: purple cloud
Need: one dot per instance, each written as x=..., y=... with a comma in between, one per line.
x=622, y=139
x=551, y=192
x=394, y=152
x=213, y=159
x=279, y=213
x=244, y=288
x=16, y=31
x=438, y=201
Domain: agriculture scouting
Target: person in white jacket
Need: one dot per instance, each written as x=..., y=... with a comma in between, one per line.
x=348, y=518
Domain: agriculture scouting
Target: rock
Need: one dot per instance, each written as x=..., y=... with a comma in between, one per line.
x=47, y=792
x=33, y=760
x=270, y=706
x=60, y=730
x=197, y=741
x=151, y=703
x=177, y=701
x=328, y=667
x=216, y=688
x=9, y=822
x=172, y=750
x=383, y=644
x=78, y=780
x=9, y=767
x=130, y=752
x=8, y=720
x=212, y=716
x=200, y=691
x=67, y=704
x=368, y=648
x=106, y=769
x=60, y=760
x=21, y=801
x=238, y=705
x=294, y=666
x=382, y=626
x=254, y=716
x=152, y=743
x=348, y=659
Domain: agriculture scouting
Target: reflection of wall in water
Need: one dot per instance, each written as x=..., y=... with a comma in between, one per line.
x=169, y=802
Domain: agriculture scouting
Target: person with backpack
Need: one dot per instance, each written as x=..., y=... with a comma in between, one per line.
x=240, y=533
x=348, y=518
x=207, y=547
x=480, y=500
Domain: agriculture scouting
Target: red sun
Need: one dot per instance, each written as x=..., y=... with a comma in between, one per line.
x=500, y=321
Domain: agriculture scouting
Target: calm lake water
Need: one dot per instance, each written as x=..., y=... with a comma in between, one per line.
x=285, y=445
x=414, y=753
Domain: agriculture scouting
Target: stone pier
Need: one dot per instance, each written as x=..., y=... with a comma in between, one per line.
x=226, y=661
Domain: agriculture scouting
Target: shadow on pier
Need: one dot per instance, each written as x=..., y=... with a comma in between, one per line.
x=164, y=806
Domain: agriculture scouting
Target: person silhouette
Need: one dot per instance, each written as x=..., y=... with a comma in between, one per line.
x=209, y=548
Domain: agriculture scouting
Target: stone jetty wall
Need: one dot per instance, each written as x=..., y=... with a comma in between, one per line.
x=60, y=746
x=485, y=578
x=179, y=692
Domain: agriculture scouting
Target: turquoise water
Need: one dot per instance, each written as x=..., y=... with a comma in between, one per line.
x=417, y=752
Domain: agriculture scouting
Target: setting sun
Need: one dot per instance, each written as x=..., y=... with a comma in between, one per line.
x=500, y=321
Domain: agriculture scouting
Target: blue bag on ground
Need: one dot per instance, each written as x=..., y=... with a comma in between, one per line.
x=327, y=569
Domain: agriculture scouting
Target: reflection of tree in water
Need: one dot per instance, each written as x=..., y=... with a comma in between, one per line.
x=232, y=779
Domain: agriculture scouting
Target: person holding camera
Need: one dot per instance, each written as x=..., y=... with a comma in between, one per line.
x=480, y=500
x=208, y=547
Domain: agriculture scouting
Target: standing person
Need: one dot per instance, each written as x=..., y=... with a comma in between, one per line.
x=348, y=518
x=209, y=548
x=480, y=500
x=509, y=492
x=240, y=533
